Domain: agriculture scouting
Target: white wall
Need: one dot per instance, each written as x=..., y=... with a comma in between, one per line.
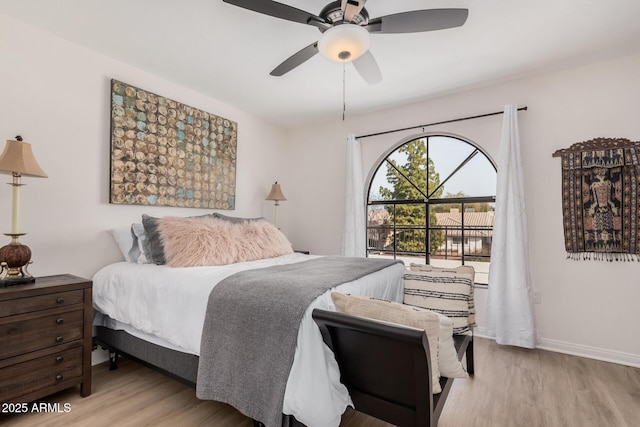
x=56, y=95
x=587, y=307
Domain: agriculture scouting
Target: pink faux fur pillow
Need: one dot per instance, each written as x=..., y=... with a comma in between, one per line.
x=190, y=242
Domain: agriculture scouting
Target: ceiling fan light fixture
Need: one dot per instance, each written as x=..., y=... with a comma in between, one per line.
x=344, y=42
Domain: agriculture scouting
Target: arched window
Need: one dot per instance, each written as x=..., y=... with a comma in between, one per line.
x=432, y=200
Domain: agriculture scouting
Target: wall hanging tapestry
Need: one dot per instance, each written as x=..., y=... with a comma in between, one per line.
x=166, y=153
x=600, y=199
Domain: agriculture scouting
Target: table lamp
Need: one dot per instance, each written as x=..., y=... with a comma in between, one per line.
x=276, y=195
x=17, y=159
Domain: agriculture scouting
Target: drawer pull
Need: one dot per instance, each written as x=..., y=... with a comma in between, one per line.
x=59, y=339
x=59, y=359
x=59, y=377
x=60, y=321
x=60, y=300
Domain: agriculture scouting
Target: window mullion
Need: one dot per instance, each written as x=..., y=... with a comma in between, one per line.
x=395, y=233
x=462, y=233
x=427, y=237
x=427, y=208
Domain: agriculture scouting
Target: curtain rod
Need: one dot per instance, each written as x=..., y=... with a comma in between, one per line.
x=437, y=123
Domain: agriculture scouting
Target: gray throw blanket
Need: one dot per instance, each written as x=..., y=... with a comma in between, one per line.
x=251, y=328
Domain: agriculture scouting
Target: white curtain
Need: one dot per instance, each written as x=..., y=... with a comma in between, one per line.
x=354, y=233
x=510, y=316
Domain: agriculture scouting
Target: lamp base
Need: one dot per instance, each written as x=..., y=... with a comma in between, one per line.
x=5, y=283
x=14, y=261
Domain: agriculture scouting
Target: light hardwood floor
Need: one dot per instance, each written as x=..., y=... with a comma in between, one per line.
x=512, y=387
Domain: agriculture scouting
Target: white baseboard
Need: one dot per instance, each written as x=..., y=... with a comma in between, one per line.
x=580, y=350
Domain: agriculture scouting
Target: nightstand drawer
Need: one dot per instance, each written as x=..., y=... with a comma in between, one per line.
x=34, y=334
x=45, y=338
x=40, y=302
x=23, y=378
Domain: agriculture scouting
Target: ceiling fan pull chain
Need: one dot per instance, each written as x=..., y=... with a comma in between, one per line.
x=344, y=91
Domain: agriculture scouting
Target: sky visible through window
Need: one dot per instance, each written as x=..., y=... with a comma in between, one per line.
x=447, y=153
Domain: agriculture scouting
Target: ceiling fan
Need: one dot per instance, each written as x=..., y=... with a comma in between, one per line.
x=345, y=26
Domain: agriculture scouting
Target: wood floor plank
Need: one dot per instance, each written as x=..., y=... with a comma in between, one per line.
x=511, y=387
x=625, y=383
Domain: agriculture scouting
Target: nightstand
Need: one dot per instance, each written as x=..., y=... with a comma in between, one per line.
x=45, y=338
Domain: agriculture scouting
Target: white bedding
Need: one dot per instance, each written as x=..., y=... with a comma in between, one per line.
x=169, y=305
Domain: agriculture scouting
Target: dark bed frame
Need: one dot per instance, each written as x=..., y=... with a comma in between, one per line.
x=385, y=368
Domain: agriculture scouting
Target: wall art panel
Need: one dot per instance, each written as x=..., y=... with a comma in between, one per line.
x=165, y=153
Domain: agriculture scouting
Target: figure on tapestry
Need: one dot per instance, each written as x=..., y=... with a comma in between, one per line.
x=602, y=215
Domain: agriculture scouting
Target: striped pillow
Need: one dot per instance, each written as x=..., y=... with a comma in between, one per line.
x=464, y=271
x=444, y=292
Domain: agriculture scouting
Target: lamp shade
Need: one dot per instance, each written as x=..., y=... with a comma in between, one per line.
x=276, y=193
x=344, y=42
x=18, y=157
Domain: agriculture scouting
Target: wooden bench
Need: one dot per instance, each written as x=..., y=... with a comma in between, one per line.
x=386, y=368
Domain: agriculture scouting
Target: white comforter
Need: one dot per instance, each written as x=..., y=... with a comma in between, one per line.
x=170, y=304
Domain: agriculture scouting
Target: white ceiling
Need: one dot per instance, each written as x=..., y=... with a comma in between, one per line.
x=227, y=52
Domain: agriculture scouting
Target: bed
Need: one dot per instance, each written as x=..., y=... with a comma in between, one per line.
x=155, y=314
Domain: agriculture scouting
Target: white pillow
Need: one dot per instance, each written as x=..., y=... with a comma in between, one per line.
x=138, y=251
x=448, y=362
x=124, y=240
x=399, y=314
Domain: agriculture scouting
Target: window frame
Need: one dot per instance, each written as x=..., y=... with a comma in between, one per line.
x=427, y=202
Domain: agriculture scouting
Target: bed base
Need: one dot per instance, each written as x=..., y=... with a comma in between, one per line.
x=381, y=365
x=175, y=364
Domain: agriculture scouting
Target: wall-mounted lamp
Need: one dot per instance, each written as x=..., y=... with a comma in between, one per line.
x=276, y=195
x=17, y=159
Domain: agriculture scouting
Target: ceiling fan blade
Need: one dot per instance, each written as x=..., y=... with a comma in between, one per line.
x=418, y=21
x=368, y=68
x=279, y=10
x=351, y=9
x=296, y=59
